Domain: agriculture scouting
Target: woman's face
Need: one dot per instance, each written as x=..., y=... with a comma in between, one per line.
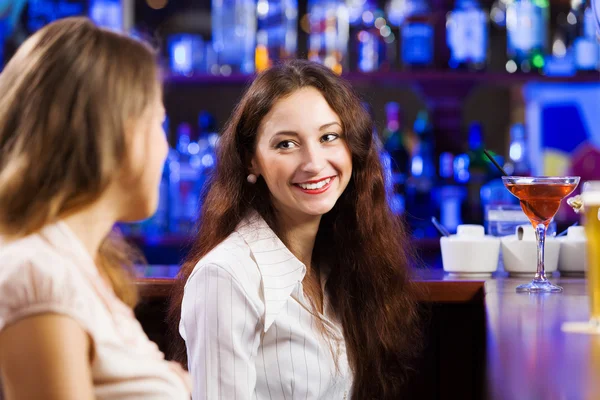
x=302, y=155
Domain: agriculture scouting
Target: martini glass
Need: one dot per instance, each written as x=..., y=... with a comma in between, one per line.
x=540, y=199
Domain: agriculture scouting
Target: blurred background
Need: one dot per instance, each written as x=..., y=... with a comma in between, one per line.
x=443, y=79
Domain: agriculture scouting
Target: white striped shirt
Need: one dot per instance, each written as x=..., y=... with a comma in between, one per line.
x=249, y=330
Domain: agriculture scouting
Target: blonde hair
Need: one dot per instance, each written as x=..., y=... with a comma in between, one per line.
x=67, y=95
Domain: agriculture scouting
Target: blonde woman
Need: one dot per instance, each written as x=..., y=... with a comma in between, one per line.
x=81, y=147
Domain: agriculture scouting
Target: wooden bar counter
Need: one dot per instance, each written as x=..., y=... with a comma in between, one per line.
x=483, y=340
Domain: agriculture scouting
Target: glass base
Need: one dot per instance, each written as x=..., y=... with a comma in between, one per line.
x=587, y=328
x=539, y=287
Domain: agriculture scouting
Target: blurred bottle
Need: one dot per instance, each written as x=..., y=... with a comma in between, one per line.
x=208, y=137
x=422, y=166
x=277, y=32
x=184, y=180
x=187, y=54
x=371, y=44
x=527, y=24
x=517, y=152
x=106, y=14
x=421, y=178
x=328, y=33
x=395, y=145
x=586, y=48
x=478, y=170
x=395, y=141
x=498, y=13
x=416, y=34
x=395, y=11
x=467, y=35
x=449, y=194
x=234, y=36
x=461, y=169
x=561, y=60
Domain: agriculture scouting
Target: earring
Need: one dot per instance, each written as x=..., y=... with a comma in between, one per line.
x=251, y=178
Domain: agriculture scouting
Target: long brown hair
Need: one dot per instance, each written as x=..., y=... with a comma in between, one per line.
x=67, y=95
x=359, y=239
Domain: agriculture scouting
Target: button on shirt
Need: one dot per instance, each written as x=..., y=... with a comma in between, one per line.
x=250, y=332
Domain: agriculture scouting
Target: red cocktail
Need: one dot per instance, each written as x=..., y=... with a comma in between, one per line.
x=540, y=199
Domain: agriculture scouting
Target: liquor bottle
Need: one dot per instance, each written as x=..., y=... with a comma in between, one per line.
x=422, y=166
x=184, y=177
x=371, y=48
x=498, y=13
x=478, y=171
x=234, y=36
x=107, y=14
x=208, y=138
x=396, y=146
x=517, y=151
x=277, y=32
x=586, y=47
x=187, y=54
x=395, y=142
x=328, y=33
x=421, y=178
x=467, y=35
x=450, y=194
x=416, y=32
x=527, y=24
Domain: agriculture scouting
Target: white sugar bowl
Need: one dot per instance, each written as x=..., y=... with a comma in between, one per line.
x=519, y=252
x=573, y=252
x=470, y=252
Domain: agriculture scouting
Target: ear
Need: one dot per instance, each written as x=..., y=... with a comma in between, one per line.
x=254, y=168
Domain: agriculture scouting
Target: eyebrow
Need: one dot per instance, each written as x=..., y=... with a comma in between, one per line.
x=329, y=125
x=295, y=134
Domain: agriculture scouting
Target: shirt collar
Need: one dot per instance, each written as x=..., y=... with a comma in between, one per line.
x=281, y=271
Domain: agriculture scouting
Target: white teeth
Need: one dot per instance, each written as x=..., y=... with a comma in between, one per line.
x=314, y=186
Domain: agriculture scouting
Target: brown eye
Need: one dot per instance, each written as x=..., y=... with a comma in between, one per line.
x=285, y=144
x=329, y=137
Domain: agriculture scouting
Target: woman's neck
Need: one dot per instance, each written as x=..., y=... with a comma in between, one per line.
x=300, y=236
x=91, y=225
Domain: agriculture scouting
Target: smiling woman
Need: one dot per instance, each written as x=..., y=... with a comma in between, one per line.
x=297, y=285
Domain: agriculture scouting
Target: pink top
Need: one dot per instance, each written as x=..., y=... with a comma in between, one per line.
x=51, y=272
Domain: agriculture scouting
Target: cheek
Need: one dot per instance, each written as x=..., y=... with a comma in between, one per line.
x=158, y=149
x=277, y=171
x=343, y=159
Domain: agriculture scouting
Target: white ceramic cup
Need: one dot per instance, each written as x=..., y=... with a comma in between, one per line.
x=470, y=252
x=573, y=252
x=520, y=256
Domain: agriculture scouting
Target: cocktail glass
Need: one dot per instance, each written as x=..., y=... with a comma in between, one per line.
x=540, y=198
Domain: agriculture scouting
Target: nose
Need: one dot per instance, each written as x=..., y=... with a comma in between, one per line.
x=313, y=159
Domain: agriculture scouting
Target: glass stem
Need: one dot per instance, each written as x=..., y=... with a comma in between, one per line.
x=540, y=233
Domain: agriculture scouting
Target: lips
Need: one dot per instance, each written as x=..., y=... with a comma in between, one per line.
x=315, y=186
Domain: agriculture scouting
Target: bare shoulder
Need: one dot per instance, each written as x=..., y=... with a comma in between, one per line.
x=29, y=352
